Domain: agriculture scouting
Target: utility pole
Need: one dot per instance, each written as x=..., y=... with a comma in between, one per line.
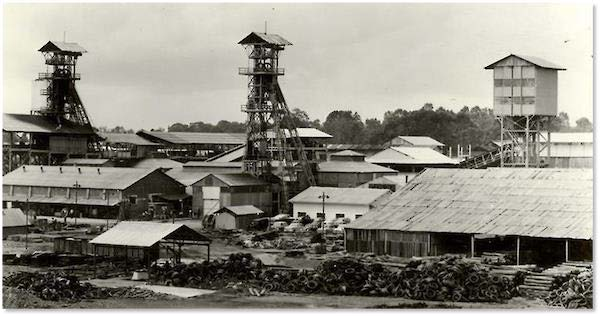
x=76, y=186
x=27, y=223
x=323, y=196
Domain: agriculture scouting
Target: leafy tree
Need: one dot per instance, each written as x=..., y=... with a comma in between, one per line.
x=344, y=126
x=584, y=125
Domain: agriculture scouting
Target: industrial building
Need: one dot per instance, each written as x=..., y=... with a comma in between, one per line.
x=392, y=183
x=127, y=146
x=236, y=217
x=14, y=222
x=348, y=169
x=408, y=161
x=88, y=162
x=540, y=216
x=350, y=203
x=213, y=166
x=571, y=150
x=215, y=191
x=416, y=141
x=365, y=149
x=103, y=192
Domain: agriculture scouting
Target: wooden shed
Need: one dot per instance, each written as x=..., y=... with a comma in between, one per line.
x=236, y=217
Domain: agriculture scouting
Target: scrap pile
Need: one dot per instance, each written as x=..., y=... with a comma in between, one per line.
x=282, y=244
x=497, y=258
x=55, y=286
x=540, y=285
x=577, y=292
x=211, y=275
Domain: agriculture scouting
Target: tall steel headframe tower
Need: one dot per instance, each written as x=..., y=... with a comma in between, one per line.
x=268, y=116
x=525, y=101
x=62, y=100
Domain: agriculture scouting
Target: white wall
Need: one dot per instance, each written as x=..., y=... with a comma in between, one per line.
x=311, y=209
x=571, y=150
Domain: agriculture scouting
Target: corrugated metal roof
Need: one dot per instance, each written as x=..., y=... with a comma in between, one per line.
x=53, y=46
x=197, y=138
x=85, y=161
x=155, y=163
x=540, y=62
x=547, y=203
x=399, y=179
x=146, y=234
x=353, y=167
x=260, y=38
x=347, y=153
x=346, y=196
x=238, y=179
x=307, y=132
x=241, y=210
x=230, y=155
x=13, y=217
x=127, y=138
x=90, y=177
x=411, y=156
x=355, y=147
x=187, y=177
x=41, y=124
x=420, y=140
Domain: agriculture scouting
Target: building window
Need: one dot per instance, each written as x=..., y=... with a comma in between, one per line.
x=357, y=216
x=321, y=215
x=133, y=199
x=340, y=215
x=301, y=214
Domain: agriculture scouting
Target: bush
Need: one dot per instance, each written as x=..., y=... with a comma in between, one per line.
x=317, y=238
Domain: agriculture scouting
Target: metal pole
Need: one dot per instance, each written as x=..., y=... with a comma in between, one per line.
x=518, y=250
x=527, y=142
x=27, y=223
x=323, y=213
x=501, y=141
x=472, y=246
x=566, y=250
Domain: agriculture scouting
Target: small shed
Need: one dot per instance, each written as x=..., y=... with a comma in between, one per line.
x=14, y=222
x=236, y=217
x=141, y=240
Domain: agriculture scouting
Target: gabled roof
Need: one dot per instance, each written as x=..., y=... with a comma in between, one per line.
x=420, y=141
x=547, y=203
x=230, y=155
x=411, y=156
x=237, y=179
x=540, y=62
x=242, y=210
x=355, y=147
x=264, y=38
x=41, y=124
x=127, y=138
x=89, y=177
x=347, y=196
x=13, y=217
x=155, y=163
x=214, y=164
x=186, y=177
x=146, y=234
x=353, y=167
x=348, y=153
x=65, y=47
x=196, y=138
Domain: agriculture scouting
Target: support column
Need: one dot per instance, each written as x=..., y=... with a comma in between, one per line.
x=566, y=250
x=429, y=244
x=472, y=246
x=527, y=142
x=518, y=250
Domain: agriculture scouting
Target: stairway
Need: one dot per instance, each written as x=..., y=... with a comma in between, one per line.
x=485, y=160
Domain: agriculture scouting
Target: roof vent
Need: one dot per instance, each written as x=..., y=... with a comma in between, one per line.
x=60, y=169
x=98, y=170
x=42, y=169
x=24, y=169
x=79, y=170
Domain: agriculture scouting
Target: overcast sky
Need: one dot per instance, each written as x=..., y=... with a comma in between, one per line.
x=150, y=65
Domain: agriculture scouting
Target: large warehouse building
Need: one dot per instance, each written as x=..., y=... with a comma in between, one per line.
x=540, y=216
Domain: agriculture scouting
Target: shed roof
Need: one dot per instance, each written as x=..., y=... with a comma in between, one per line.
x=242, y=210
x=155, y=163
x=237, y=179
x=146, y=234
x=397, y=179
x=264, y=38
x=66, y=176
x=214, y=164
x=56, y=46
x=13, y=217
x=303, y=132
x=60, y=199
x=346, y=196
x=411, y=156
x=420, y=141
x=548, y=203
x=41, y=124
x=353, y=167
x=197, y=138
x=187, y=177
x=355, y=147
x=86, y=161
x=540, y=62
x=230, y=155
x=127, y=138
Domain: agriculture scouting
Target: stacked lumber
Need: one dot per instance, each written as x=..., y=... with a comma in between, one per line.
x=497, y=258
x=539, y=285
x=576, y=292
